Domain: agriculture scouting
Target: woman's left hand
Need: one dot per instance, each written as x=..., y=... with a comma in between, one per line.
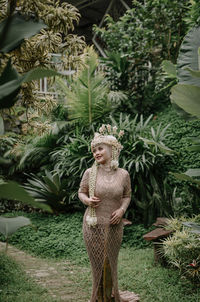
x=116, y=216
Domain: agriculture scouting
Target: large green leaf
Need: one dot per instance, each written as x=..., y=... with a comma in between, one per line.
x=194, y=73
x=187, y=97
x=195, y=144
x=169, y=68
x=8, y=78
x=13, y=191
x=193, y=172
x=188, y=57
x=15, y=29
x=8, y=226
x=10, y=88
x=1, y=126
x=195, y=227
x=183, y=176
x=162, y=147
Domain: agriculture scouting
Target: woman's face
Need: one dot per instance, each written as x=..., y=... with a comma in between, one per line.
x=102, y=154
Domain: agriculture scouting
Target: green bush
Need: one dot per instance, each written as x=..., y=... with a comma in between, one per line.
x=179, y=139
x=61, y=236
x=144, y=36
x=182, y=248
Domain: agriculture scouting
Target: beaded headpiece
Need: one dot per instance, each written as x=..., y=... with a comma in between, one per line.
x=109, y=135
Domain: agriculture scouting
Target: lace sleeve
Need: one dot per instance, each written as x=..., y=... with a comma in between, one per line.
x=127, y=186
x=84, y=184
x=126, y=193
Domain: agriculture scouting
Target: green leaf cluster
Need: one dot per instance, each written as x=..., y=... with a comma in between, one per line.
x=142, y=38
x=182, y=248
x=88, y=97
x=49, y=190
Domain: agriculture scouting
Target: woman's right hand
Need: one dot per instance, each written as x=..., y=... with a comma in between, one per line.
x=93, y=202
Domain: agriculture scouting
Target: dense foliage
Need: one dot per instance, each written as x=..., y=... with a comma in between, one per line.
x=67, y=154
x=182, y=248
x=144, y=36
x=186, y=199
x=36, y=51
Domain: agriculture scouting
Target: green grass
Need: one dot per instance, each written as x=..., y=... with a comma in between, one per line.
x=16, y=286
x=60, y=237
x=138, y=273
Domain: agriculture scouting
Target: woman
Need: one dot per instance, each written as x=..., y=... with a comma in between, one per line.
x=106, y=190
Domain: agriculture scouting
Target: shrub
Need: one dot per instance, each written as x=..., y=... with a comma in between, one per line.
x=182, y=248
x=148, y=33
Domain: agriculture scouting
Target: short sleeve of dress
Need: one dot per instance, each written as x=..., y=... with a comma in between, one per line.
x=84, y=184
x=127, y=186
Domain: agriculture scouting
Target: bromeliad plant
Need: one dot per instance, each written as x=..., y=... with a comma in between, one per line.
x=49, y=190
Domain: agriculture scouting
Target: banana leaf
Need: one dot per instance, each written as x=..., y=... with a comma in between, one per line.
x=16, y=28
x=189, y=58
x=8, y=226
x=187, y=98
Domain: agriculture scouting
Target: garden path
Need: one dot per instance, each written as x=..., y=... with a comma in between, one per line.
x=58, y=277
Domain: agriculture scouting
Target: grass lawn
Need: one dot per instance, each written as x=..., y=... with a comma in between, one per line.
x=138, y=273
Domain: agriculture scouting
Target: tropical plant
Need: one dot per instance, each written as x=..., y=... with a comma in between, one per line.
x=193, y=18
x=10, y=83
x=88, y=97
x=53, y=38
x=142, y=156
x=71, y=159
x=116, y=68
x=9, y=226
x=182, y=248
x=49, y=190
x=32, y=154
x=148, y=33
x=185, y=94
x=13, y=191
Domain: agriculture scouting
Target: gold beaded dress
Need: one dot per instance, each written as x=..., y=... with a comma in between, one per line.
x=103, y=240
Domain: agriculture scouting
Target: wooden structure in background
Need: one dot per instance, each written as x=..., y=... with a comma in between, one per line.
x=94, y=12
